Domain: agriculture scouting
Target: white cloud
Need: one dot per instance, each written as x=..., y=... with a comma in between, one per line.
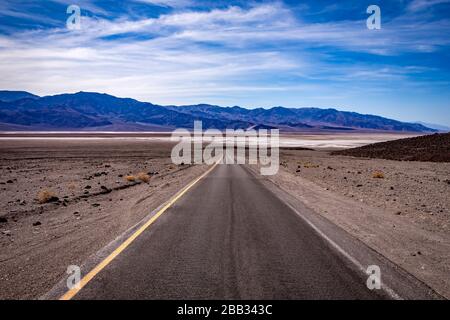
x=187, y=57
x=418, y=5
x=169, y=3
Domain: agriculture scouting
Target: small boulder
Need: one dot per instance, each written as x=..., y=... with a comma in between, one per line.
x=105, y=189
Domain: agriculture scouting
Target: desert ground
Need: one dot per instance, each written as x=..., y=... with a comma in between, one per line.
x=94, y=203
x=417, y=191
x=65, y=199
x=400, y=209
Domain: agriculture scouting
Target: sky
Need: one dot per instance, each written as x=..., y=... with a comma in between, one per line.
x=247, y=53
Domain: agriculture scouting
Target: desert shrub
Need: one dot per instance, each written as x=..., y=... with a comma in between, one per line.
x=46, y=196
x=72, y=186
x=378, y=175
x=310, y=165
x=143, y=177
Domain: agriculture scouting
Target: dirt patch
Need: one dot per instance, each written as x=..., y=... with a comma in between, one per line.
x=88, y=203
x=417, y=191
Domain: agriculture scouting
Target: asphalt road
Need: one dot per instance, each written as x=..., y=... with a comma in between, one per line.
x=228, y=238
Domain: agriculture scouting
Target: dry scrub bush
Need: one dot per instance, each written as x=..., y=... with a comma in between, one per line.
x=46, y=196
x=143, y=177
x=310, y=165
x=378, y=175
x=72, y=186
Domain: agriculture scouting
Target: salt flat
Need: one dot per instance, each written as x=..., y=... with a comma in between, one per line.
x=307, y=140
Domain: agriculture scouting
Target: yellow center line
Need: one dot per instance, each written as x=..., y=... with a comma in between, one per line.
x=83, y=282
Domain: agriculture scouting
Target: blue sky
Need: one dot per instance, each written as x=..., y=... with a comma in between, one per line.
x=247, y=53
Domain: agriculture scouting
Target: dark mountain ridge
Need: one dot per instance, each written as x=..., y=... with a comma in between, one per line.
x=9, y=96
x=433, y=148
x=292, y=118
x=96, y=111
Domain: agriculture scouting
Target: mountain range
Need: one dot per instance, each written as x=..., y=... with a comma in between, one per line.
x=88, y=111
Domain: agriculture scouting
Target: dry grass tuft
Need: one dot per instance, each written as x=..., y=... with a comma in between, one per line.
x=378, y=175
x=310, y=165
x=143, y=177
x=46, y=196
x=72, y=186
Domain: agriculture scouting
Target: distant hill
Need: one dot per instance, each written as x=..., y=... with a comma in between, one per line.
x=435, y=126
x=95, y=111
x=434, y=147
x=8, y=96
x=301, y=119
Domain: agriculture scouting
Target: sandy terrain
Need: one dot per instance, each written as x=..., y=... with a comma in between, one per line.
x=95, y=203
x=405, y=215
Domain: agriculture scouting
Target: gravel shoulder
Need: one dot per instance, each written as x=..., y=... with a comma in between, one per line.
x=404, y=215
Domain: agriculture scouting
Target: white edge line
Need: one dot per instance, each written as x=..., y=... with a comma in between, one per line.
x=386, y=288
